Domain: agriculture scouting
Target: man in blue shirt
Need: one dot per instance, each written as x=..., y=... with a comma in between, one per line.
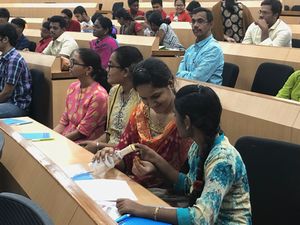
x=22, y=42
x=15, y=78
x=204, y=60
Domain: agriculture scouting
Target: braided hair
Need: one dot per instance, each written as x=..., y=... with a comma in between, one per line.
x=202, y=105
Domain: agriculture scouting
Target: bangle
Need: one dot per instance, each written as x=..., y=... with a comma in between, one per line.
x=97, y=144
x=155, y=213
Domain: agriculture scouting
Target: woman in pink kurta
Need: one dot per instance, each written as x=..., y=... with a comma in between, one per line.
x=105, y=44
x=86, y=103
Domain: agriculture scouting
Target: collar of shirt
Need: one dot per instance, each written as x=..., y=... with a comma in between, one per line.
x=6, y=56
x=275, y=25
x=200, y=44
x=61, y=37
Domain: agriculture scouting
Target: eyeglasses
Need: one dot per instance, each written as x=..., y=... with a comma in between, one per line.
x=200, y=21
x=109, y=66
x=73, y=63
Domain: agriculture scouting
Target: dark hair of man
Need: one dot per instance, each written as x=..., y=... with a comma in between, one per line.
x=90, y=58
x=152, y=71
x=128, y=57
x=156, y=2
x=58, y=19
x=183, y=1
x=156, y=18
x=19, y=22
x=79, y=10
x=192, y=5
x=46, y=25
x=96, y=16
x=276, y=6
x=4, y=13
x=9, y=31
x=68, y=12
x=209, y=15
x=148, y=13
x=202, y=105
x=123, y=13
x=130, y=2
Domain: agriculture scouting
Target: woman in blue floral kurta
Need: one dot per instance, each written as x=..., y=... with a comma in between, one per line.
x=217, y=181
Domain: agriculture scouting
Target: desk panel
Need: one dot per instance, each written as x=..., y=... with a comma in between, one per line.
x=48, y=185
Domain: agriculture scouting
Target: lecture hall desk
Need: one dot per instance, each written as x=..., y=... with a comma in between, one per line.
x=38, y=168
x=44, y=10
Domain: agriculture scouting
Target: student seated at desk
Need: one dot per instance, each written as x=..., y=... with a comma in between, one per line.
x=152, y=123
x=83, y=18
x=157, y=5
x=123, y=99
x=15, y=78
x=231, y=20
x=4, y=15
x=134, y=11
x=105, y=44
x=46, y=37
x=72, y=25
x=86, y=103
x=216, y=183
x=164, y=31
x=128, y=25
x=269, y=29
x=203, y=60
x=191, y=6
x=22, y=42
x=61, y=44
x=180, y=15
x=291, y=88
x=146, y=24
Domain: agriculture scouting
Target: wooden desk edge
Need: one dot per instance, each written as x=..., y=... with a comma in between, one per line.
x=84, y=201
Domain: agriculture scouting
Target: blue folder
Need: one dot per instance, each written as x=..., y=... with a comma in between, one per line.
x=131, y=220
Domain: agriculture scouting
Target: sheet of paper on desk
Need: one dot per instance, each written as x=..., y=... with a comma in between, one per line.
x=74, y=169
x=106, y=189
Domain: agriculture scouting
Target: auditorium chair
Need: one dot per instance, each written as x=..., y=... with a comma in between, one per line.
x=270, y=78
x=273, y=173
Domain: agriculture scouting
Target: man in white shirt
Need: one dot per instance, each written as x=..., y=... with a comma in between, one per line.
x=83, y=18
x=269, y=29
x=61, y=44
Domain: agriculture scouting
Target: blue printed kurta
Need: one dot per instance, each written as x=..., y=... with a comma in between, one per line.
x=225, y=198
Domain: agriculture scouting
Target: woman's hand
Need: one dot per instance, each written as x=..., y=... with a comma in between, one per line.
x=100, y=155
x=93, y=146
x=142, y=168
x=146, y=153
x=129, y=206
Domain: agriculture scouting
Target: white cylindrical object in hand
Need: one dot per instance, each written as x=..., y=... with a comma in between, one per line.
x=109, y=162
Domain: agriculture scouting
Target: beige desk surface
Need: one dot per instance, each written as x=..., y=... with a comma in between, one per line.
x=44, y=10
x=249, y=113
x=45, y=162
x=145, y=44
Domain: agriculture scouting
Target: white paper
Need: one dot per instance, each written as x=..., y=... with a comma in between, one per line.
x=74, y=169
x=106, y=189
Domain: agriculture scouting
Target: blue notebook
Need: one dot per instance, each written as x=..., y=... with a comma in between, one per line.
x=131, y=220
x=37, y=136
x=12, y=121
x=83, y=176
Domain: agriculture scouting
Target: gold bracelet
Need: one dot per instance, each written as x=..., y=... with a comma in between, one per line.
x=155, y=213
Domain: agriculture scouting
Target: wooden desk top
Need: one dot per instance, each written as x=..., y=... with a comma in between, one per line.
x=48, y=5
x=52, y=156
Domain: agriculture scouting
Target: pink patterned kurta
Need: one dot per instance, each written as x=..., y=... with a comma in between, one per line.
x=85, y=110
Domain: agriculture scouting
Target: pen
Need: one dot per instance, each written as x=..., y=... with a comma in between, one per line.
x=123, y=217
x=22, y=123
x=43, y=139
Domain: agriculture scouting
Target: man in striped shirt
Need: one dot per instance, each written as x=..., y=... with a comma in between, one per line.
x=15, y=78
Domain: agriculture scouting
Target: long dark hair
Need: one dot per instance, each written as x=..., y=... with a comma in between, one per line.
x=156, y=18
x=128, y=57
x=229, y=5
x=107, y=24
x=202, y=105
x=152, y=71
x=91, y=58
